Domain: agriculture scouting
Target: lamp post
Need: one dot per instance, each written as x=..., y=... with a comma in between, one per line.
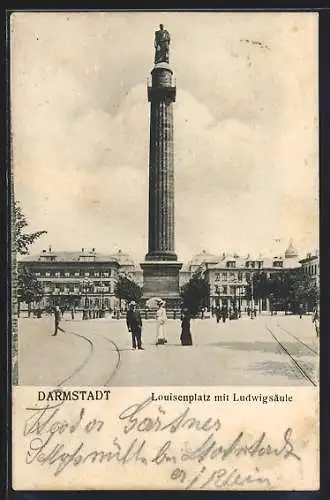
x=85, y=286
x=102, y=312
x=252, y=297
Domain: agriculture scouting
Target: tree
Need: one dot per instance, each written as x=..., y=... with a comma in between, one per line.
x=29, y=289
x=127, y=289
x=21, y=240
x=195, y=294
x=20, y=245
x=286, y=289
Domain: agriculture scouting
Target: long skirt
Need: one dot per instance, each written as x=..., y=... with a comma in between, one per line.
x=186, y=338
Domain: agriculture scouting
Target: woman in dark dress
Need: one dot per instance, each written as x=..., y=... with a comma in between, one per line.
x=185, y=337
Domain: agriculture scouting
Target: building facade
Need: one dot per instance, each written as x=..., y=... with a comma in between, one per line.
x=91, y=276
x=87, y=275
x=229, y=276
x=311, y=266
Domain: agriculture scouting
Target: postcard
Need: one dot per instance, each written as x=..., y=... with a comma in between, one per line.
x=165, y=264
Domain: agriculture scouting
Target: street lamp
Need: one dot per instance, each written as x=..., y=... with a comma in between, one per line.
x=85, y=286
x=252, y=297
x=102, y=289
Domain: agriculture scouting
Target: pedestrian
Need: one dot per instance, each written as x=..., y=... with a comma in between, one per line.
x=72, y=313
x=134, y=325
x=218, y=313
x=161, y=320
x=316, y=321
x=224, y=313
x=185, y=337
x=57, y=314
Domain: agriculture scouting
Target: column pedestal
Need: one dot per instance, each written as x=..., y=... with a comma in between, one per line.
x=161, y=279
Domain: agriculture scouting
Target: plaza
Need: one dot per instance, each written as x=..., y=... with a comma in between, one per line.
x=266, y=351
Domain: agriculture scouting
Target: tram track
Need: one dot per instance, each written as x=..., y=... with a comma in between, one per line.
x=90, y=355
x=297, y=339
x=297, y=365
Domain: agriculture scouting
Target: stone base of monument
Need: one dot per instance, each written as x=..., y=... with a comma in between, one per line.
x=161, y=279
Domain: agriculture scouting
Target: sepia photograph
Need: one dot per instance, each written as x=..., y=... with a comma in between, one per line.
x=165, y=198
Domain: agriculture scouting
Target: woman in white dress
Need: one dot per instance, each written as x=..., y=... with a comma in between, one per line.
x=161, y=319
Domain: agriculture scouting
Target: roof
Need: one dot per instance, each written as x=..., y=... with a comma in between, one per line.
x=64, y=256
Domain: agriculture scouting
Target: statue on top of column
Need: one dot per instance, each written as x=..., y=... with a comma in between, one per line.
x=162, y=45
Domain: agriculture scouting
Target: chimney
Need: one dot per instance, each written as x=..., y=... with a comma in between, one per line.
x=50, y=248
x=44, y=251
x=93, y=250
x=82, y=250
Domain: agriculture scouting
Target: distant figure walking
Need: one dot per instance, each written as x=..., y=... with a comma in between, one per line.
x=186, y=338
x=57, y=314
x=134, y=325
x=316, y=321
x=224, y=313
x=161, y=319
x=218, y=313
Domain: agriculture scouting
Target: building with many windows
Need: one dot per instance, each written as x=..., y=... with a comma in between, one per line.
x=87, y=274
x=229, y=275
x=311, y=266
x=92, y=276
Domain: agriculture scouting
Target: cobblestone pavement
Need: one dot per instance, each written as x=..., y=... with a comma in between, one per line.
x=278, y=350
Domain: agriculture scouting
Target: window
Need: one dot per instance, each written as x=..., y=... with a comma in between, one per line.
x=232, y=276
x=217, y=277
x=86, y=274
x=96, y=274
x=225, y=289
x=277, y=263
x=240, y=276
x=224, y=276
x=260, y=263
x=47, y=275
x=105, y=275
x=77, y=274
x=253, y=263
x=37, y=274
x=231, y=264
x=57, y=274
x=67, y=275
x=247, y=264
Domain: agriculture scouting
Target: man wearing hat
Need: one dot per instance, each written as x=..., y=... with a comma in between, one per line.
x=134, y=325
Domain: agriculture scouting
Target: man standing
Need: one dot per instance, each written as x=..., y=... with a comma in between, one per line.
x=134, y=325
x=57, y=314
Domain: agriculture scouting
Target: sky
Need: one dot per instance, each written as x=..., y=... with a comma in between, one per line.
x=245, y=129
